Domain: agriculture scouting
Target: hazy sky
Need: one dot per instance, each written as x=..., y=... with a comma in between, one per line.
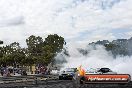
x=76, y=20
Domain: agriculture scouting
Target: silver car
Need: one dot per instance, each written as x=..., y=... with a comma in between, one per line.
x=100, y=71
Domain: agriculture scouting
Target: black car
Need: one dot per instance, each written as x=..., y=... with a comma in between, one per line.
x=106, y=71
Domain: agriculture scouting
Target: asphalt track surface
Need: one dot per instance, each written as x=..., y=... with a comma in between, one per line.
x=62, y=84
x=41, y=82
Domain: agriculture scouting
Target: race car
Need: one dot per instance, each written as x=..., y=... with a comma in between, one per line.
x=103, y=75
x=68, y=74
x=100, y=71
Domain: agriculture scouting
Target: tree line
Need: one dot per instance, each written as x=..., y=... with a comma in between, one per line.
x=38, y=51
x=119, y=47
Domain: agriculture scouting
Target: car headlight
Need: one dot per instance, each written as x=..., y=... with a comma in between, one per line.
x=78, y=74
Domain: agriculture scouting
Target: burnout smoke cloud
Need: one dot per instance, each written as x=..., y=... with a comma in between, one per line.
x=97, y=57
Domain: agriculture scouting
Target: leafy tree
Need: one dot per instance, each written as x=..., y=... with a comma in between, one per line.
x=37, y=51
x=55, y=44
x=34, y=49
x=1, y=53
x=34, y=45
x=5, y=55
x=47, y=54
x=12, y=54
x=116, y=49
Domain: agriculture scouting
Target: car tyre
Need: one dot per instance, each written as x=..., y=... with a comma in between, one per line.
x=82, y=80
x=60, y=77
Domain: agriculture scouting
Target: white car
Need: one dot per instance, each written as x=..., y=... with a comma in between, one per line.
x=91, y=71
x=100, y=71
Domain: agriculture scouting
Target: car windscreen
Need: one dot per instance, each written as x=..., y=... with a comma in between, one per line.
x=104, y=70
x=70, y=70
x=91, y=70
